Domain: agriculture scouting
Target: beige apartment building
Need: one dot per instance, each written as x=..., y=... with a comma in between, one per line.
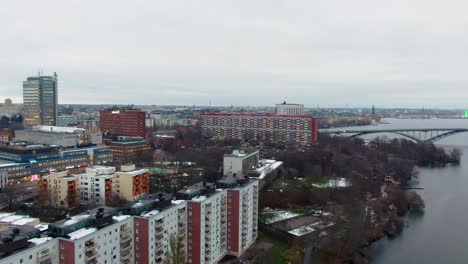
x=60, y=189
x=131, y=184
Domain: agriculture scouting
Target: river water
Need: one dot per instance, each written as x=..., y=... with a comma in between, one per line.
x=441, y=234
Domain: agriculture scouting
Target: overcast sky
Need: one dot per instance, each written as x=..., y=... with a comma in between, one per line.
x=399, y=53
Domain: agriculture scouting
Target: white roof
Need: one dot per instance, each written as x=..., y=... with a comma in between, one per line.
x=120, y=217
x=132, y=173
x=42, y=227
x=57, y=129
x=25, y=221
x=3, y=215
x=178, y=201
x=75, y=219
x=199, y=198
x=150, y=213
x=40, y=240
x=81, y=233
x=269, y=166
x=12, y=218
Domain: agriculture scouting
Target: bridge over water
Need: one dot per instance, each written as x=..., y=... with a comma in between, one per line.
x=416, y=134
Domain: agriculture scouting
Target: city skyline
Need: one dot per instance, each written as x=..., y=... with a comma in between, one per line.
x=330, y=54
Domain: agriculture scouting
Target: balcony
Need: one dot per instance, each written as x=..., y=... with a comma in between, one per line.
x=159, y=247
x=124, y=231
x=93, y=261
x=182, y=236
x=90, y=245
x=124, y=257
x=125, y=238
x=44, y=258
x=125, y=246
x=89, y=255
x=159, y=252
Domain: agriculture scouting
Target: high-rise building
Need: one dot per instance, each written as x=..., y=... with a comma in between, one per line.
x=207, y=223
x=289, y=109
x=40, y=101
x=298, y=129
x=123, y=122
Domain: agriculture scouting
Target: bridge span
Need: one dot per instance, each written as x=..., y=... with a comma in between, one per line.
x=416, y=134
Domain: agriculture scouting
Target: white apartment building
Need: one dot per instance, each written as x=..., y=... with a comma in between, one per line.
x=207, y=228
x=240, y=162
x=289, y=109
x=161, y=233
x=111, y=244
x=242, y=217
x=95, y=186
x=208, y=223
x=40, y=250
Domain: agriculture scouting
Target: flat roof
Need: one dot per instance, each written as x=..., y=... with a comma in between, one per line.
x=195, y=188
x=132, y=173
x=242, y=153
x=81, y=233
x=90, y=214
x=23, y=147
x=12, y=218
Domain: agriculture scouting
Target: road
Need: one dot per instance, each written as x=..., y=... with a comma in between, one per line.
x=22, y=192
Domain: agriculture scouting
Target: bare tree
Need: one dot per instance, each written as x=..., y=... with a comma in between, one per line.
x=12, y=195
x=176, y=254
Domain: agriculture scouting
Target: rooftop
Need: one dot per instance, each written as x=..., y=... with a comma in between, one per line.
x=24, y=148
x=242, y=153
x=133, y=173
x=81, y=233
x=57, y=129
x=90, y=214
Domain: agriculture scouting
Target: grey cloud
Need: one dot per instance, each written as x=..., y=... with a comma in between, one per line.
x=335, y=52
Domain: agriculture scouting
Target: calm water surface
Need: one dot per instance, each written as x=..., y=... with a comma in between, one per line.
x=441, y=235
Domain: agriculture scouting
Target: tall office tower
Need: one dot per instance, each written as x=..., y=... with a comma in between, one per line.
x=289, y=109
x=40, y=101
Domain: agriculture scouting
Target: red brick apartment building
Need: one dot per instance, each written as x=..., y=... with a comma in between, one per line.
x=299, y=129
x=123, y=122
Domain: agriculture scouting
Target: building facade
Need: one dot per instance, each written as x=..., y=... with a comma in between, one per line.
x=131, y=184
x=289, y=109
x=9, y=108
x=129, y=150
x=240, y=163
x=23, y=161
x=61, y=189
x=296, y=129
x=95, y=185
x=6, y=135
x=68, y=137
x=208, y=223
x=67, y=120
x=40, y=101
x=123, y=122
